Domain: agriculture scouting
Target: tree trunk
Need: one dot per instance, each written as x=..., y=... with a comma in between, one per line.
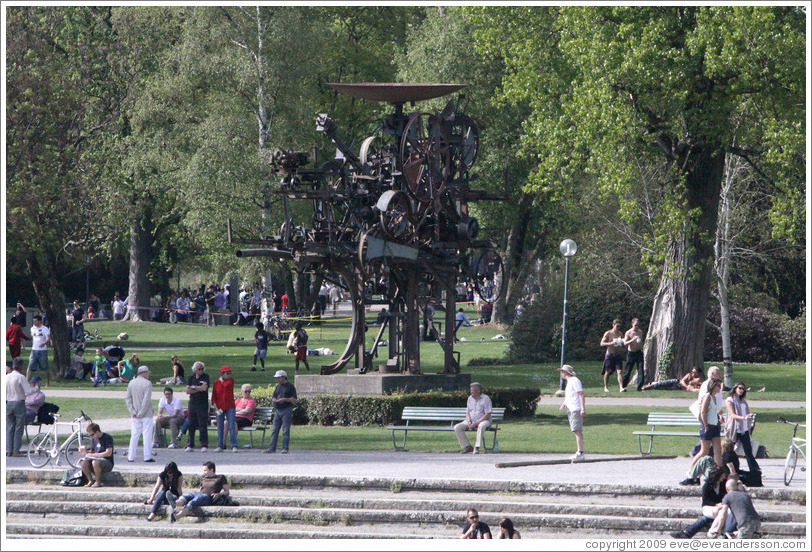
x=517, y=264
x=722, y=250
x=676, y=335
x=52, y=302
x=140, y=258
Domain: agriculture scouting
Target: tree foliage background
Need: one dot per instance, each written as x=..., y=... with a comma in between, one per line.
x=133, y=132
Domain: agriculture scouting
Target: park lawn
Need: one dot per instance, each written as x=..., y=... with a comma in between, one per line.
x=233, y=346
x=607, y=430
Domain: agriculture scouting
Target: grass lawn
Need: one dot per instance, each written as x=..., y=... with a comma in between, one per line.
x=608, y=429
x=219, y=345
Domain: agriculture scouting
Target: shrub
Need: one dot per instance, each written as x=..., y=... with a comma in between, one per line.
x=758, y=335
x=380, y=410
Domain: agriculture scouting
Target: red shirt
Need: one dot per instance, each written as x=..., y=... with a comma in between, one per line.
x=223, y=394
x=15, y=334
x=285, y=301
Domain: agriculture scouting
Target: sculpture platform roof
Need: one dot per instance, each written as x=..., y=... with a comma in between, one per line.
x=395, y=91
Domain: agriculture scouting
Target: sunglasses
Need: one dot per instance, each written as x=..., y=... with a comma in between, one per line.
x=473, y=517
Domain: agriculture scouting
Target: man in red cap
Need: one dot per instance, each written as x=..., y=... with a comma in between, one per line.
x=222, y=397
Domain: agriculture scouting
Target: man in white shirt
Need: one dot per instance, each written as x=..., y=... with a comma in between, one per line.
x=139, y=403
x=17, y=388
x=477, y=418
x=575, y=403
x=40, y=339
x=170, y=414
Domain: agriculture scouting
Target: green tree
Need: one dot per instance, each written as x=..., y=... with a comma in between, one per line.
x=608, y=84
x=61, y=102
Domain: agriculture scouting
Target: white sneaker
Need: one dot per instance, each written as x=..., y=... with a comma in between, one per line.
x=577, y=457
x=233, y=449
x=218, y=449
x=172, y=445
x=189, y=449
x=204, y=449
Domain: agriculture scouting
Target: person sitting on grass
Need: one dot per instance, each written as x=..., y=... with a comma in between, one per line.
x=691, y=381
x=177, y=377
x=99, y=456
x=168, y=487
x=103, y=370
x=211, y=487
x=128, y=369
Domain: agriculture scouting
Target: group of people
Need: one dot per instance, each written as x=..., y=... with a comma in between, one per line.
x=475, y=529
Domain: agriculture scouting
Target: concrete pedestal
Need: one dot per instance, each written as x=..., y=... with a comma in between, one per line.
x=377, y=383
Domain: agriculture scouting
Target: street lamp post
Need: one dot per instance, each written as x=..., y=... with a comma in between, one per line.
x=568, y=249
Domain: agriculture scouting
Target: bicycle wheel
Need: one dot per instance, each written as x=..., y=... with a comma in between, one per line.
x=789, y=467
x=71, y=451
x=39, y=449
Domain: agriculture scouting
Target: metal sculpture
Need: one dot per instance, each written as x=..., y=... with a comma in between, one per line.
x=391, y=220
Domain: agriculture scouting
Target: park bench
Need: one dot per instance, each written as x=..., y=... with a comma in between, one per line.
x=667, y=419
x=452, y=415
x=263, y=416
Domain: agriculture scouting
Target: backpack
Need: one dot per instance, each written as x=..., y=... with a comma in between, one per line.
x=45, y=413
x=73, y=478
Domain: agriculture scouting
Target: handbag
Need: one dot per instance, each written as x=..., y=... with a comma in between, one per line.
x=694, y=408
x=730, y=429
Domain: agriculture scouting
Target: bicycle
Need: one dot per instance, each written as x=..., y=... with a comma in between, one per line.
x=796, y=447
x=45, y=446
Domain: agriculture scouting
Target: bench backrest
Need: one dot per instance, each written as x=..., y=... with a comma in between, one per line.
x=672, y=419
x=263, y=414
x=444, y=414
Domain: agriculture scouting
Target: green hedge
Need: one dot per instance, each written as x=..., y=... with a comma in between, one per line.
x=365, y=410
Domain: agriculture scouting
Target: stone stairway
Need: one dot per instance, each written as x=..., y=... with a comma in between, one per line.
x=317, y=507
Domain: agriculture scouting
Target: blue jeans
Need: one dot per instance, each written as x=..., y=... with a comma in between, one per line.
x=282, y=418
x=160, y=499
x=195, y=500
x=230, y=416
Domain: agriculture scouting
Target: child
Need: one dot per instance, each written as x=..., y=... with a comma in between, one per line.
x=261, y=338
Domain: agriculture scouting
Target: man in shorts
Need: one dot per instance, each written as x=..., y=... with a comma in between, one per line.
x=40, y=339
x=613, y=361
x=261, y=338
x=575, y=403
x=99, y=456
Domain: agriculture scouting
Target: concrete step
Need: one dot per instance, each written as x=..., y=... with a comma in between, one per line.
x=28, y=499
x=322, y=508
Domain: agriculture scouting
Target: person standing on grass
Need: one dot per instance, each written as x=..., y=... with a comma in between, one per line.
x=197, y=387
x=222, y=397
x=40, y=339
x=261, y=338
x=613, y=360
x=78, y=330
x=633, y=340
x=575, y=403
x=139, y=403
x=284, y=395
x=99, y=456
x=15, y=335
x=300, y=342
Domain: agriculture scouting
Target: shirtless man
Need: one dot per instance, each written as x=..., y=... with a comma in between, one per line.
x=613, y=361
x=633, y=340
